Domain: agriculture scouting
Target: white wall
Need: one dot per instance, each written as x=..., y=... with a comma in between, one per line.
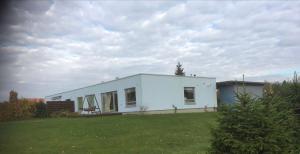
x=156, y=92
x=115, y=85
x=160, y=92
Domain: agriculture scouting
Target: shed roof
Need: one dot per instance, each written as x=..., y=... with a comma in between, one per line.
x=246, y=83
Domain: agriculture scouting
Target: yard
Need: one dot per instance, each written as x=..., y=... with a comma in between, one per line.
x=180, y=133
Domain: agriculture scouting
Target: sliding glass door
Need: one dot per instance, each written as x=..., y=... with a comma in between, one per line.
x=110, y=101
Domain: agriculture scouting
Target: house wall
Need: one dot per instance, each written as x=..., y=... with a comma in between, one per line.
x=161, y=92
x=116, y=85
x=254, y=91
x=228, y=92
x=156, y=92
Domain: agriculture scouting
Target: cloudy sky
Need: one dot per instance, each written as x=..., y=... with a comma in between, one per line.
x=51, y=46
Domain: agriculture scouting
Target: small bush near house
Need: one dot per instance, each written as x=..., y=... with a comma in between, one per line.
x=40, y=110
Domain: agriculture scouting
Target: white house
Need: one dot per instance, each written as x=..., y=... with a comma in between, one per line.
x=145, y=92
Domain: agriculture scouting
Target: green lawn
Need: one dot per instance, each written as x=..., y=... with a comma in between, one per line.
x=180, y=133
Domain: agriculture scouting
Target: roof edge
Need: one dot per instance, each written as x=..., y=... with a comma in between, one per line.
x=226, y=83
x=176, y=75
x=126, y=78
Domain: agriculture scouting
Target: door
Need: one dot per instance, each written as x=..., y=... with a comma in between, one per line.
x=110, y=101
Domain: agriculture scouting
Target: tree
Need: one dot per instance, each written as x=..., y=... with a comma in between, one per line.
x=254, y=126
x=13, y=96
x=179, y=70
x=289, y=91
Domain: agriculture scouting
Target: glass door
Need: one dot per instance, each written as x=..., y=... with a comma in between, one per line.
x=110, y=101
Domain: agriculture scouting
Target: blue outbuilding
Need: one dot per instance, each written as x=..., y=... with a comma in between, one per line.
x=227, y=90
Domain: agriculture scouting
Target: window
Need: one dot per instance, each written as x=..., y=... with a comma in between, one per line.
x=130, y=97
x=189, y=95
x=80, y=103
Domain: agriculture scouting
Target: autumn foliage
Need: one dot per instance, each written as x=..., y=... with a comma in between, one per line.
x=18, y=109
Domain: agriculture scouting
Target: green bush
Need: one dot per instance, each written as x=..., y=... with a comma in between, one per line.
x=254, y=126
x=40, y=110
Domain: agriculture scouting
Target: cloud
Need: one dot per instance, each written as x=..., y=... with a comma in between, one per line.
x=51, y=46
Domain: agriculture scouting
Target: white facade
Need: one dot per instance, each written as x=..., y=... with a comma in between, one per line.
x=153, y=92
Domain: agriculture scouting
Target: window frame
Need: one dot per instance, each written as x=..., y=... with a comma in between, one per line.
x=114, y=99
x=131, y=103
x=189, y=101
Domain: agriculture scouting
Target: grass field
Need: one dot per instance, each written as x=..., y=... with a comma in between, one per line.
x=180, y=133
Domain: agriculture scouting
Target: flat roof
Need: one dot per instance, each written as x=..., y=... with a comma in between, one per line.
x=247, y=83
x=130, y=77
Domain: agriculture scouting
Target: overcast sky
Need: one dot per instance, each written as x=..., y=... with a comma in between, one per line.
x=51, y=46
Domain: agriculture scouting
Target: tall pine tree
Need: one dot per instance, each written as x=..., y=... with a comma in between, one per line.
x=179, y=70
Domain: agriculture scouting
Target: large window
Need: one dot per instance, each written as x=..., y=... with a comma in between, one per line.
x=130, y=97
x=189, y=95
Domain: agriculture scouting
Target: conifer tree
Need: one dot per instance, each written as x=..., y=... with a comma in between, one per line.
x=254, y=126
x=179, y=70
